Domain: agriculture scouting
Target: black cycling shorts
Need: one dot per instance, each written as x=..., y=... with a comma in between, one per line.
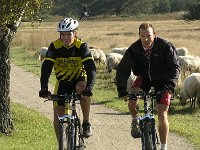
x=64, y=87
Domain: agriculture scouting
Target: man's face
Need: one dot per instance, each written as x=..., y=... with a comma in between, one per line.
x=67, y=37
x=147, y=37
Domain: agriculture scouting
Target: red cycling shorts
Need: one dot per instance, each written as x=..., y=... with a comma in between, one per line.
x=137, y=82
x=165, y=98
x=145, y=85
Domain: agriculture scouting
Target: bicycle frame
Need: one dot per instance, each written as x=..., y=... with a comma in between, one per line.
x=69, y=123
x=149, y=137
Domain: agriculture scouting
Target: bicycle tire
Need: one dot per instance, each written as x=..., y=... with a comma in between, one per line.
x=70, y=137
x=78, y=135
x=154, y=135
x=61, y=136
x=147, y=136
x=75, y=132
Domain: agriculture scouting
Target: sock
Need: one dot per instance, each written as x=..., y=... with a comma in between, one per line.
x=86, y=121
x=135, y=119
x=164, y=146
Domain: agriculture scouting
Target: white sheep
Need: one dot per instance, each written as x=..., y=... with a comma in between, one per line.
x=93, y=47
x=191, y=90
x=120, y=50
x=112, y=61
x=42, y=53
x=189, y=63
x=98, y=56
x=182, y=51
x=130, y=81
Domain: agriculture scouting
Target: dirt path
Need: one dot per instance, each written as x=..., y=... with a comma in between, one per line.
x=111, y=129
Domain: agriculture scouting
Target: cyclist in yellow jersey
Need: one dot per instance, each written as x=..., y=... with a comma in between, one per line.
x=74, y=69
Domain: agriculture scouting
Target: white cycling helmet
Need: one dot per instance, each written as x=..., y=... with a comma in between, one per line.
x=67, y=24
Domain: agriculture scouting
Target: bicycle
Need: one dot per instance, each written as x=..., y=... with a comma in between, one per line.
x=70, y=130
x=149, y=136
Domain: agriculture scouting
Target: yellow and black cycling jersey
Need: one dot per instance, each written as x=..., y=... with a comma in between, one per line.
x=69, y=62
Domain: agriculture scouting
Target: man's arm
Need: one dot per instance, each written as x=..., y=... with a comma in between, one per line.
x=89, y=67
x=123, y=73
x=45, y=73
x=172, y=66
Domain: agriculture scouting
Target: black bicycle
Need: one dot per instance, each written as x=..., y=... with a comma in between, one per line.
x=149, y=136
x=70, y=130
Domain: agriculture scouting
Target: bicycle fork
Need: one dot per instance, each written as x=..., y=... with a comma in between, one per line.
x=149, y=137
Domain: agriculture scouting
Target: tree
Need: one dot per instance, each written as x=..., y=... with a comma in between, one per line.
x=164, y=6
x=193, y=12
x=67, y=8
x=177, y=5
x=11, y=12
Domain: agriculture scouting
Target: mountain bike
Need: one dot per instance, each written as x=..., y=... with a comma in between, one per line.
x=70, y=130
x=149, y=136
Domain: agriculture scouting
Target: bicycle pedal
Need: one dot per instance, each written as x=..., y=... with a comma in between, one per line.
x=80, y=147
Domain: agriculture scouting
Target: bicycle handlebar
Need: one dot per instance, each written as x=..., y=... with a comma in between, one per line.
x=65, y=97
x=141, y=94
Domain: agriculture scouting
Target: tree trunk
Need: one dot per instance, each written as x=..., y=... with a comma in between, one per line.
x=118, y=7
x=6, y=123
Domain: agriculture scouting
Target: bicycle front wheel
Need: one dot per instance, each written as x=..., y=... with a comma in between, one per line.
x=147, y=143
x=61, y=136
x=70, y=131
x=66, y=137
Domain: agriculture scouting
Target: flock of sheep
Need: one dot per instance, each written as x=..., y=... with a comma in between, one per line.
x=189, y=65
x=190, y=75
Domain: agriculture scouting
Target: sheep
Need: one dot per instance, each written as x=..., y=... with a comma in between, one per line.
x=190, y=90
x=130, y=81
x=120, y=50
x=182, y=51
x=93, y=47
x=189, y=63
x=112, y=61
x=98, y=55
x=42, y=53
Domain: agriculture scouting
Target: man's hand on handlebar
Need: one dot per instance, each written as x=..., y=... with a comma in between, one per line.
x=86, y=92
x=169, y=86
x=123, y=94
x=44, y=93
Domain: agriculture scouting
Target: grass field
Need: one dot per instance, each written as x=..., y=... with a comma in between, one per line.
x=32, y=131
x=106, y=35
x=109, y=34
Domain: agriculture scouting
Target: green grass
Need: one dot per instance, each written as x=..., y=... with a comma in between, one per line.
x=33, y=131
x=26, y=59
x=183, y=120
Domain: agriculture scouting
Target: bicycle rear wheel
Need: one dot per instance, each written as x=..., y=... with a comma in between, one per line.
x=78, y=135
x=147, y=142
